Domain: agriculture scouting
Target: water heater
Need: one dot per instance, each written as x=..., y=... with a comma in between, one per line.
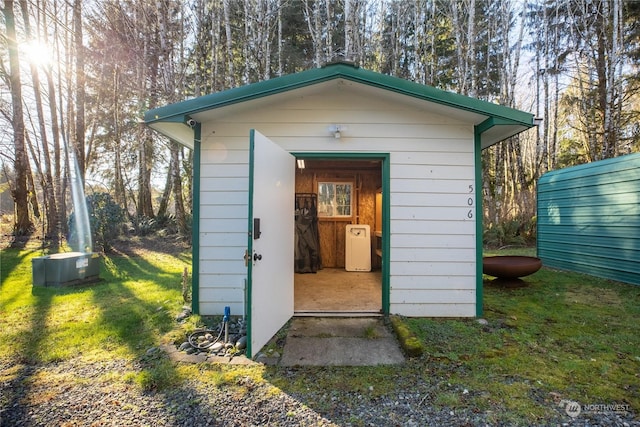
x=358, y=248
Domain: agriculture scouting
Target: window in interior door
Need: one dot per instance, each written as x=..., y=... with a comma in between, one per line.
x=335, y=199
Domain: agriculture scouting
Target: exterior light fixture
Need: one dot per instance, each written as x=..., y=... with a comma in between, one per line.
x=337, y=130
x=300, y=163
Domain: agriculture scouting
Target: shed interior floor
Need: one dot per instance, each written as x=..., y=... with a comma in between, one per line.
x=336, y=291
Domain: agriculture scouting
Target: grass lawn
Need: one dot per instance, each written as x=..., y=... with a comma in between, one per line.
x=123, y=316
x=563, y=336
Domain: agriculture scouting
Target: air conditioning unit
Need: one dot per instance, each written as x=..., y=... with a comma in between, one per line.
x=65, y=269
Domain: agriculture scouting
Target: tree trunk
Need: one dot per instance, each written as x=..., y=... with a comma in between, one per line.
x=79, y=143
x=178, y=199
x=245, y=44
x=187, y=165
x=22, y=222
x=145, y=205
x=60, y=218
x=231, y=79
x=313, y=22
x=265, y=26
x=148, y=89
x=46, y=179
x=166, y=194
x=471, y=42
x=611, y=22
x=348, y=30
x=32, y=192
x=279, y=6
x=120, y=195
x=330, y=26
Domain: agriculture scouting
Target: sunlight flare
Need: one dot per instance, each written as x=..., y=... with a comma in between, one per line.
x=38, y=53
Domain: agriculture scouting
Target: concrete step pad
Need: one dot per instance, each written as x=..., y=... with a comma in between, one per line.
x=333, y=341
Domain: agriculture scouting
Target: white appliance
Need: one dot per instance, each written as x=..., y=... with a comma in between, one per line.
x=358, y=248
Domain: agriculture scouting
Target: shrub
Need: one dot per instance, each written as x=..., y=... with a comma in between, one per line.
x=106, y=219
x=504, y=234
x=143, y=225
x=165, y=224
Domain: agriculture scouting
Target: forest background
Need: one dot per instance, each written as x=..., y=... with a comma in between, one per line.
x=77, y=76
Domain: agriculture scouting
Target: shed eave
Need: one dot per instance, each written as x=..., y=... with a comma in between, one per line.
x=176, y=131
x=500, y=133
x=494, y=130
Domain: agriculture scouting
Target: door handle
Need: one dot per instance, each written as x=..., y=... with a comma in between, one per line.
x=257, y=257
x=256, y=228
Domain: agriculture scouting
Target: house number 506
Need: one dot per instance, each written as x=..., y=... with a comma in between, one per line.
x=470, y=202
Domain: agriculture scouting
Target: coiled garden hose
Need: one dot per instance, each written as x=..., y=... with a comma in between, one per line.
x=193, y=338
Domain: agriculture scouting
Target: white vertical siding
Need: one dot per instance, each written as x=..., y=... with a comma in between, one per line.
x=432, y=200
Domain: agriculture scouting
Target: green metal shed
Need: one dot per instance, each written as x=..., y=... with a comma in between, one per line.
x=589, y=218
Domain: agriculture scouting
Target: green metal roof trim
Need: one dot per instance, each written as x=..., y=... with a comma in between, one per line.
x=180, y=111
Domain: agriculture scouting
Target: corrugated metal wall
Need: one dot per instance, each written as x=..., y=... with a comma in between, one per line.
x=589, y=218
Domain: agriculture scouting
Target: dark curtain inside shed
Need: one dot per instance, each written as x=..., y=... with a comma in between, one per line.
x=307, y=241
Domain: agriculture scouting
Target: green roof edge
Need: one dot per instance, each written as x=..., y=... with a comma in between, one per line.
x=180, y=110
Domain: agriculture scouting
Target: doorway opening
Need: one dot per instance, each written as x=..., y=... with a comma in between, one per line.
x=334, y=275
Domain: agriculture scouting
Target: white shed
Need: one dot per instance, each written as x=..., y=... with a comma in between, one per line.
x=397, y=156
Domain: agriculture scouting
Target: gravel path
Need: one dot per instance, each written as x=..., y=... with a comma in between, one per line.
x=74, y=393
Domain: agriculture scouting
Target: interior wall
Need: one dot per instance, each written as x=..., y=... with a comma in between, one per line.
x=332, y=231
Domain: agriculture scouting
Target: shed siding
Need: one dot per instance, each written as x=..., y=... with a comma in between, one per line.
x=432, y=200
x=589, y=218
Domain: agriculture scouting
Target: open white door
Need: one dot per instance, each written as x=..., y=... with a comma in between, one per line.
x=271, y=240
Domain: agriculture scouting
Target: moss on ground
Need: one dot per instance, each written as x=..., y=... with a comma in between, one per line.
x=410, y=343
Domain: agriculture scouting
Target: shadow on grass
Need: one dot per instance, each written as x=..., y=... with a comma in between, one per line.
x=139, y=246
x=506, y=283
x=25, y=343
x=10, y=261
x=122, y=316
x=138, y=303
